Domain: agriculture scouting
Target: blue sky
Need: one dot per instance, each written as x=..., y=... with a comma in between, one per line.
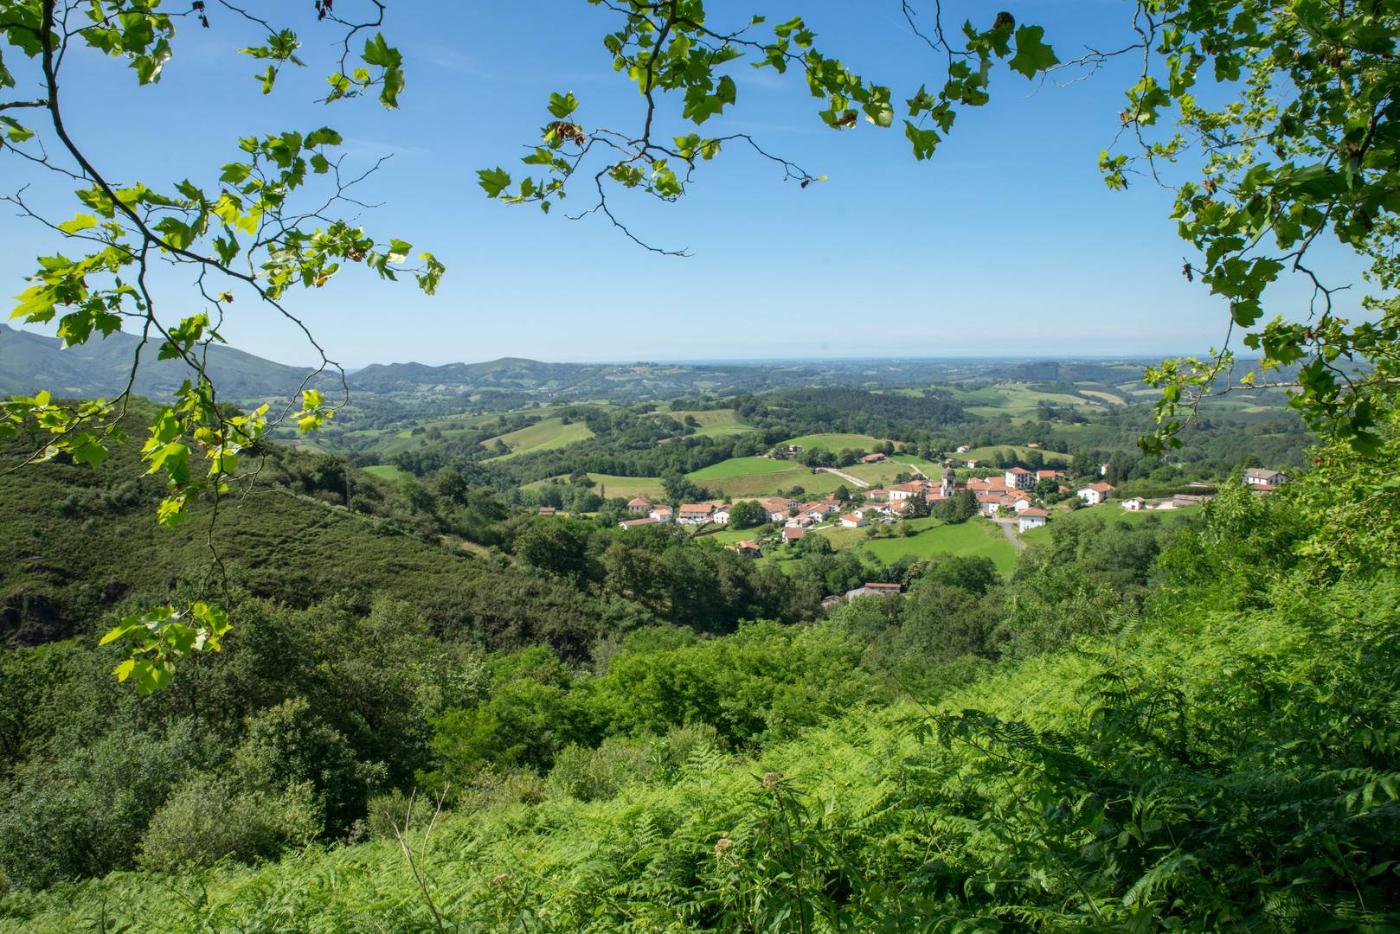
x=1006, y=243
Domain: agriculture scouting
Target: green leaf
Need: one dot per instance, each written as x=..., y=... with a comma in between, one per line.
x=1032, y=55
x=79, y=222
x=561, y=105
x=493, y=181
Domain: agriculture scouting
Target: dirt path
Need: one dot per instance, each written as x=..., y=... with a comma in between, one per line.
x=859, y=483
x=1008, y=528
x=917, y=472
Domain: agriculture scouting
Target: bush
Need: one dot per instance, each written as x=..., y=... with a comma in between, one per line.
x=599, y=774
x=206, y=820
x=84, y=813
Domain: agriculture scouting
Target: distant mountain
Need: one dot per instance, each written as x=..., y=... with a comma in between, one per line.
x=100, y=368
x=518, y=378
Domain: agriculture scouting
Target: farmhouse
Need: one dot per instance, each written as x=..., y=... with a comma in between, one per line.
x=873, y=590
x=548, y=510
x=853, y=520
x=747, y=549
x=634, y=523
x=720, y=516
x=794, y=534
x=1136, y=504
x=1049, y=475
x=1261, y=477
x=876, y=458
x=661, y=514
x=639, y=506
x=695, y=513
x=1032, y=519
x=876, y=495
x=964, y=448
x=1095, y=493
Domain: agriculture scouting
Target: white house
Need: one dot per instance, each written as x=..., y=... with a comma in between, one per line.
x=1095, y=493
x=1032, y=519
x=1019, y=478
x=633, y=523
x=661, y=514
x=874, y=590
x=720, y=516
x=1262, y=477
x=853, y=520
x=639, y=506
x=1136, y=504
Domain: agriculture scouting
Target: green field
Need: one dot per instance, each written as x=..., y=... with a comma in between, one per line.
x=714, y=422
x=1017, y=399
x=835, y=442
x=761, y=476
x=544, y=435
x=884, y=474
x=974, y=537
x=1110, y=512
x=1103, y=396
x=629, y=487
x=730, y=536
x=387, y=472
x=990, y=451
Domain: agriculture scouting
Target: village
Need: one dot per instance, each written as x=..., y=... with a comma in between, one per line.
x=1017, y=497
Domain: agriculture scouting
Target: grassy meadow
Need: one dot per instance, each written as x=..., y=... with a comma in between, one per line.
x=544, y=435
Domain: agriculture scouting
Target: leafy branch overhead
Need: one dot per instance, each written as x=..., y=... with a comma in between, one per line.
x=674, y=57
x=1301, y=143
x=278, y=216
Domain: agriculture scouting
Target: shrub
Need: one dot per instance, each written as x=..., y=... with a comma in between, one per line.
x=206, y=820
x=598, y=774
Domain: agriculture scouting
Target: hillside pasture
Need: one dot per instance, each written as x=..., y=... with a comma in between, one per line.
x=835, y=442
x=627, y=487
x=974, y=538
x=1017, y=400
x=761, y=476
x=713, y=422
x=544, y=435
x=884, y=474
x=989, y=452
x=387, y=472
x=1111, y=513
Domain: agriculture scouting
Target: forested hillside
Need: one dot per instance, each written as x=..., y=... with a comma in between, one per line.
x=1211, y=752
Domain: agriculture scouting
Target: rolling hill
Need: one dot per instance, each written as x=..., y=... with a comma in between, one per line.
x=30, y=362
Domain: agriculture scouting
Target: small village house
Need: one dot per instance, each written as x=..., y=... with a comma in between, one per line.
x=1095, y=493
x=1031, y=518
x=874, y=590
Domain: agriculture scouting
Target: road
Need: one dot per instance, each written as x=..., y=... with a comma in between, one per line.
x=857, y=481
